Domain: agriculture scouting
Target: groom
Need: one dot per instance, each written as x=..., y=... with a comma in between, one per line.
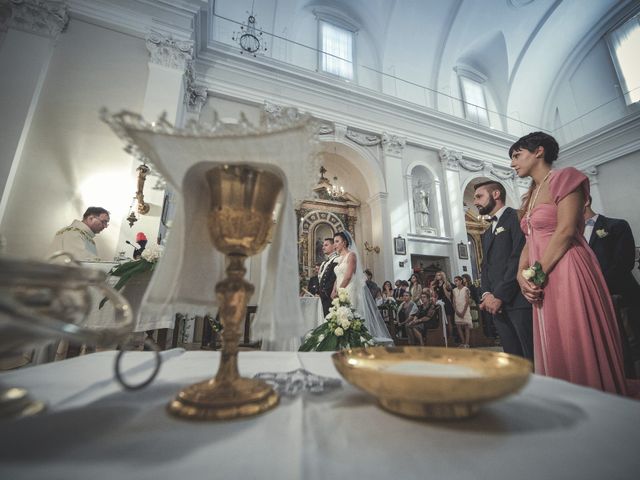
x=502, y=244
x=326, y=274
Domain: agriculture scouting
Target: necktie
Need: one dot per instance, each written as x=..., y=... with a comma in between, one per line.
x=494, y=222
x=590, y=223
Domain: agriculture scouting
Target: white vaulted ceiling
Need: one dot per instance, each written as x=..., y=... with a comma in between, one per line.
x=524, y=49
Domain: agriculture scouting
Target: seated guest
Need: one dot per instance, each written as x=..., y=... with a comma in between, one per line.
x=425, y=318
x=407, y=312
x=398, y=291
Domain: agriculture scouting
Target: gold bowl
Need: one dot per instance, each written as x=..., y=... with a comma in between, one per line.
x=429, y=382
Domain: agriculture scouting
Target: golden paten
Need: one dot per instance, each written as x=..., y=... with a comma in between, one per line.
x=240, y=219
x=426, y=382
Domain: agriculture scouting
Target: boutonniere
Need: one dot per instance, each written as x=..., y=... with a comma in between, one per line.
x=499, y=230
x=601, y=233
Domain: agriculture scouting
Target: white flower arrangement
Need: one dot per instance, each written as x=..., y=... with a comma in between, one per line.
x=152, y=254
x=126, y=271
x=601, y=232
x=343, y=328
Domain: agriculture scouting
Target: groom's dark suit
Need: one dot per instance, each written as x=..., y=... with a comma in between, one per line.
x=501, y=255
x=327, y=279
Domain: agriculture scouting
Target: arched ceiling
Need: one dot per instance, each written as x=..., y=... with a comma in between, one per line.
x=521, y=47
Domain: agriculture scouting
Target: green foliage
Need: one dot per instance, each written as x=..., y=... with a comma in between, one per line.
x=126, y=271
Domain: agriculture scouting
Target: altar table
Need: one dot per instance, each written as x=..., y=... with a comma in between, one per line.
x=94, y=430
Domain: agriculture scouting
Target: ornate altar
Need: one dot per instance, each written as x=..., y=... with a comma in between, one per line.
x=322, y=216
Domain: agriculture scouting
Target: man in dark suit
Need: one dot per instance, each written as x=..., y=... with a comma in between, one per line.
x=612, y=241
x=313, y=286
x=326, y=274
x=502, y=244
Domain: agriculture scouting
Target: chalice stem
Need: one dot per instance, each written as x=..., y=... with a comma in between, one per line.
x=233, y=294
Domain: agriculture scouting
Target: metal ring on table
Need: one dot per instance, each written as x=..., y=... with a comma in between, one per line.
x=154, y=373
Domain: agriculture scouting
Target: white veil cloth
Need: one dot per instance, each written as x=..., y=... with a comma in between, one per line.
x=185, y=277
x=365, y=304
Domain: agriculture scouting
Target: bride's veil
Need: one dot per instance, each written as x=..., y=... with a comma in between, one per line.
x=372, y=317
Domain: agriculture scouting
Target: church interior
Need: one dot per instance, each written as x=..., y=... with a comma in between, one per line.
x=413, y=103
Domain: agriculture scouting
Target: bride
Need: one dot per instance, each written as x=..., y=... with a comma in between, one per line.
x=349, y=275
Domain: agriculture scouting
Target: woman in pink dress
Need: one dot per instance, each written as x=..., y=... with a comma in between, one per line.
x=576, y=336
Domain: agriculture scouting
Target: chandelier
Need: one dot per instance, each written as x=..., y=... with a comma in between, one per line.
x=250, y=36
x=327, y=190
x=335, y=190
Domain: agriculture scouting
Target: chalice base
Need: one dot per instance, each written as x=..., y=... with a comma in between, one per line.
x=16, y=403
x=438, y=411
x=212, y=400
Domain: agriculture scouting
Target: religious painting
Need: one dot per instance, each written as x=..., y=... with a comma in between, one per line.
x=400, y=246
x=463, y=251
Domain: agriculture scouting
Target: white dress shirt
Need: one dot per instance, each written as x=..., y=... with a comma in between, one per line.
x=498, y=214
x=588, y=229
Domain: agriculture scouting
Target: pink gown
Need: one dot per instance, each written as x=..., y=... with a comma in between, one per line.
x=575, y=333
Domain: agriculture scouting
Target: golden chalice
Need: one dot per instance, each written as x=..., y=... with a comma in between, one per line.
x=240, y=220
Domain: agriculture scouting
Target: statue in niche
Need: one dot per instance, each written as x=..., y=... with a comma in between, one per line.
x=421, y=205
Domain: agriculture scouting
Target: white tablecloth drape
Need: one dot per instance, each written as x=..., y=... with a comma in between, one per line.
x=312, y=314
x=552, y=429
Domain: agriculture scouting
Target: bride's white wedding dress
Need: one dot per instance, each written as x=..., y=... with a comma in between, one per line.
x=362, y=301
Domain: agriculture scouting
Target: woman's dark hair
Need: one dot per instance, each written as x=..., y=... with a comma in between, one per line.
x=344, y=237
x=385, y=284
x=467, y=277
x=538, y=139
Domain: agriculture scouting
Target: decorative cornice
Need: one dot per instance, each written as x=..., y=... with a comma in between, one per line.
x=393, y=144
x=471, y=165
x=592, y=174
x=362, y=138
x=502, y=173
x=414, y=237
x=608, y=143
x=168, y=52
x=274, y=114
x=42, y=17
x=377, y=197
x=326, y=129
x=450, y=159
x=195, y=96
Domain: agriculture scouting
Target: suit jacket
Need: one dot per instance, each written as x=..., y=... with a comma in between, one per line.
x=616, y=254
x=314, y=285
x=501, y=256
x=327, y=276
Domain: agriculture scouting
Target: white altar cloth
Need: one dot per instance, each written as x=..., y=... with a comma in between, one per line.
x=312, y=314
x=94, y=430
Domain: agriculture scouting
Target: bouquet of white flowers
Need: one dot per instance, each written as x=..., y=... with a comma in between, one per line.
x=343, y=328
x=146, y=263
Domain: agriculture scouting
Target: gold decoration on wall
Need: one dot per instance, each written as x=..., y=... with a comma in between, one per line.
x=143, y=208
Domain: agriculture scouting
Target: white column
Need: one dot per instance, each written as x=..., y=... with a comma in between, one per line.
x=25, y=52
x=397, y=206
x=170, y=61
x=450, y=163
x=381, y=237
x=597, y=205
